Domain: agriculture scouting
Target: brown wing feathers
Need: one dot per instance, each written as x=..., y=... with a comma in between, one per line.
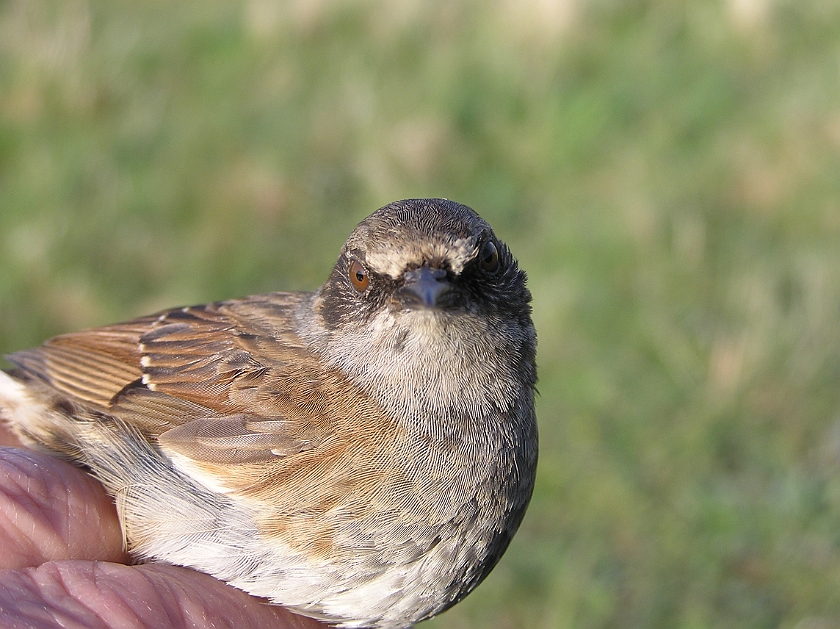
x=92, y=366
x=198, y=357
x=191, y=353
x=193, y=363
x=189, y=380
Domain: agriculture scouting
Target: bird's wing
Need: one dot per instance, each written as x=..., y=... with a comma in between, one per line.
x=228, y=391
x=229, y=381
x=93, y=366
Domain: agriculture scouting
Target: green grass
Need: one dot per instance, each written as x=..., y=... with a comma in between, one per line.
x=667, y=173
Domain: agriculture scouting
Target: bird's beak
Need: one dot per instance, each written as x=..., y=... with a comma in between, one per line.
x=425, y=287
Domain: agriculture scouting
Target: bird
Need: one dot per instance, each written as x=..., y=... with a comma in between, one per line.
x=361, y=454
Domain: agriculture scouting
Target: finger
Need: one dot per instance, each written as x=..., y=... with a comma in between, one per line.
x=99, y=595
x=52, y=510
x=7, y=437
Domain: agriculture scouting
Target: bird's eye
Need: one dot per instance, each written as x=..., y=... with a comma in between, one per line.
x=489, y=256
x=358, y=276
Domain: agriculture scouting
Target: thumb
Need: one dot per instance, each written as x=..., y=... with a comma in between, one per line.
x=99, y=595
x=50, y=510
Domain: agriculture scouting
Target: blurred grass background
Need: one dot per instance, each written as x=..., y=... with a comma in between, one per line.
x=667, y=173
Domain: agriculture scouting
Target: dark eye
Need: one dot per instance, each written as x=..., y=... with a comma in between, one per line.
x=489, y=256
x=358, y=276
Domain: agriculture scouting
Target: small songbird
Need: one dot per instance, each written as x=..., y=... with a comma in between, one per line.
x=361, y=454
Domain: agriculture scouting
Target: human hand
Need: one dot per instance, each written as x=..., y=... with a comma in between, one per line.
x=62, y=562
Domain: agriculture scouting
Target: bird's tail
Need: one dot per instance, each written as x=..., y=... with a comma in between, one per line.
x=35, y=420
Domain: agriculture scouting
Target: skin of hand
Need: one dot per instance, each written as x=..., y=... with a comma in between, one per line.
x=62, y=562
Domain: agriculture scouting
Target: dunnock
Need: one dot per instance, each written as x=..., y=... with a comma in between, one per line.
x=362, y=454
